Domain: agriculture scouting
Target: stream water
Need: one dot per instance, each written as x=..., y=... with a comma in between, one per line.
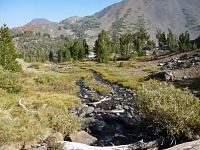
x=112, y=121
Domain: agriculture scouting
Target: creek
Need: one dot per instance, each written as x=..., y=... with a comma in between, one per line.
x=111, y=120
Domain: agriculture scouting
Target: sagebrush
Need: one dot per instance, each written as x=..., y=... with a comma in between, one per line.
x=169, y=109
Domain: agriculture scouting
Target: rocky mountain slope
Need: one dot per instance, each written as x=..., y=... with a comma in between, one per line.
x=128, y=16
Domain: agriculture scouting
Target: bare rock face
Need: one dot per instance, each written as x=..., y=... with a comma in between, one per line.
x=82, y=137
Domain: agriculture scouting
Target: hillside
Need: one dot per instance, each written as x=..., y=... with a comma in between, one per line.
x=127, y=16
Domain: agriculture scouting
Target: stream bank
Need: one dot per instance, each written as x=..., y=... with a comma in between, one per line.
x=112, y=119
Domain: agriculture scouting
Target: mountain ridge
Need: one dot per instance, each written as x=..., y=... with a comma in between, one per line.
x=129, y=16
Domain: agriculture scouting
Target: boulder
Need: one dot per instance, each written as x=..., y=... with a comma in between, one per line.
x=54, y=138
x=82, y=137
x=163, y=76
x=194, y=145
x=8, y=147
x=88, y=110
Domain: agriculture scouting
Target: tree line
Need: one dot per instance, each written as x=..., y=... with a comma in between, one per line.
x=122, y=47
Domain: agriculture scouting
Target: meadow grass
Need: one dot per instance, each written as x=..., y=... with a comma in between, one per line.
x=125, y=76
x=46, y=92
x=97, y=86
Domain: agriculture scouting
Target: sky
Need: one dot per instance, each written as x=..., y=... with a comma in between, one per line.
x=15, y=13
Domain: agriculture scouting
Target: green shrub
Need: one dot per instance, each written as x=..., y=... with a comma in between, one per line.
x=44, y=78
x=9, y=81
x=169, y=109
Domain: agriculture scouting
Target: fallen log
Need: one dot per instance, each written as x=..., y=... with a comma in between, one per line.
x=102, y=100
x=111, y=111
x=24, y=107
x=153, y=145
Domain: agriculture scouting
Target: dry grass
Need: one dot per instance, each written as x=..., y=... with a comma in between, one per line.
x=50, y=94
x=97, y=86
x=128, y=75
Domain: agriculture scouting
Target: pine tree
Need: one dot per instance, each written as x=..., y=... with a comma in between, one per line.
x=7, y=51
x=66, y=54
x=171, y=41
x=126, y=45
x=162, y=40
x=184, y=42
x=77, y=51
x=103, y=47
x=40, y=56
x=86, y=47
x=51, y=56
x=140, y=39
x=60, y=55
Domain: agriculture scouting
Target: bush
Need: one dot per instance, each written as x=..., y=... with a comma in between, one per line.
x=44, y=78
x=9, y=81
x=175, y=111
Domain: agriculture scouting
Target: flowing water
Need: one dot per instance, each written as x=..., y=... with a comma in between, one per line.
x=113, y=120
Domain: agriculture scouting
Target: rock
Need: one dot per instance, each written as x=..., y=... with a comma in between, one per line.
x=88, y=110
x=185, y=61
x=184, y=77
x=8, y=147
x=194, y=145
x=54, y=138
x=119, y=107
x=39, y=148
x=85, y=96
x=82, y=137
x=126, y=107
x=163, y=76
x=88, y=122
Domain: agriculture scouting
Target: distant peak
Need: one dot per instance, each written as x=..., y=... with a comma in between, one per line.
x=40, y=21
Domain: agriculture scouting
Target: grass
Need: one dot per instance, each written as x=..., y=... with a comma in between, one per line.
x=49, y=93
x=152, y=69
x=97, y=86
x=125, y=76
x=52, y=93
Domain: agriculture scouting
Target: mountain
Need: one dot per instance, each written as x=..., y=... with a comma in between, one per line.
x=130, y=15
x=40, y=21
x=127, y=16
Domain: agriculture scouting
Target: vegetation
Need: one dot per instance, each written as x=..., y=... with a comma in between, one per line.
x=182, y=44
x=50, y=94
x=162, y=40
x=169, y=109
x=103, y=47
x=93, y=84
x=7, y=51
x=46, y=92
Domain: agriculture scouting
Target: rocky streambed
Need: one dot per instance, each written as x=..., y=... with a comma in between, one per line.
x=111, y=120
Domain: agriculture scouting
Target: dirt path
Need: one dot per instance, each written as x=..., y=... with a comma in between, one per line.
x=25, y=65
